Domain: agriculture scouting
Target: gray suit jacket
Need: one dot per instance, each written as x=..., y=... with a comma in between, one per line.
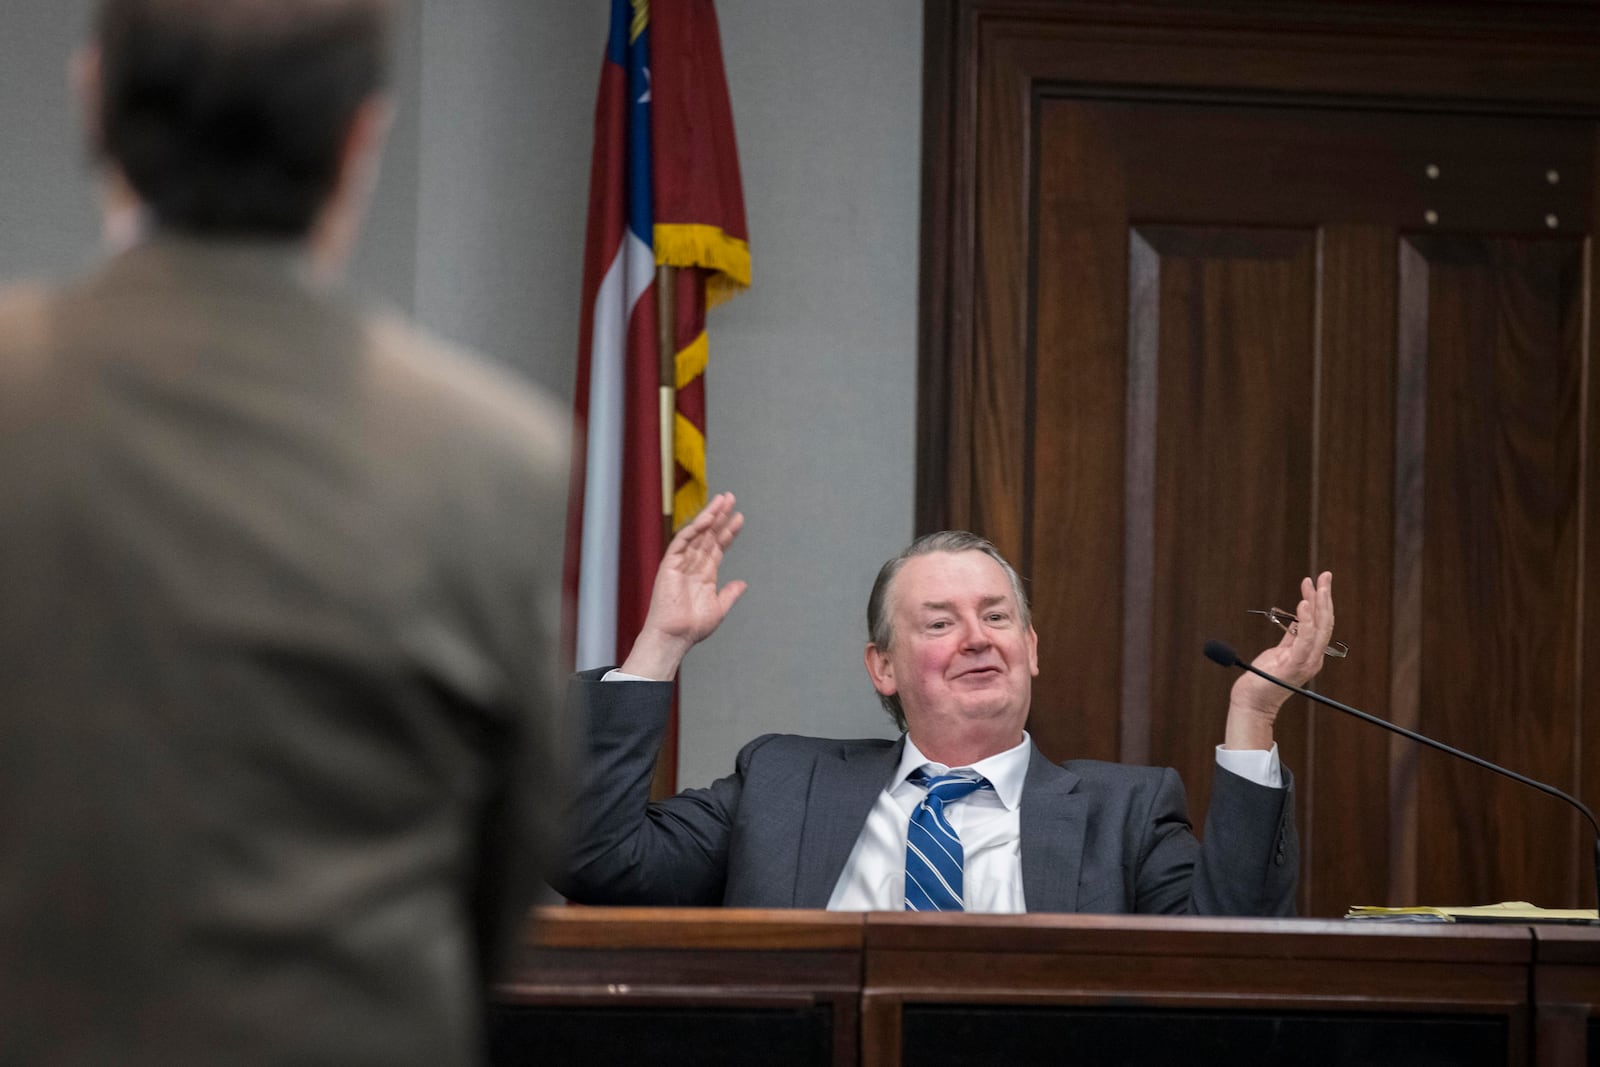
x=279, y=595
x=1096, y=837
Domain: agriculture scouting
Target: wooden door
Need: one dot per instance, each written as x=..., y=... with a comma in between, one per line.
x=1215, y=301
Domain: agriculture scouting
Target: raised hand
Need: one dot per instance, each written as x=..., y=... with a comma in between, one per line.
x=1296, y=658
x=686, y=605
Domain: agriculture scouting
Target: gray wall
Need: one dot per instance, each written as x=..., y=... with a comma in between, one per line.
x=47, y=224
x=478, y=229
x=812, y=382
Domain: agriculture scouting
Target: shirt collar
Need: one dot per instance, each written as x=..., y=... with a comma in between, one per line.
x=1005, y=770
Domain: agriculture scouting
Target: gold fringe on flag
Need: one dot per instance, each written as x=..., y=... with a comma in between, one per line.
x=695, y=245
x=688, y=443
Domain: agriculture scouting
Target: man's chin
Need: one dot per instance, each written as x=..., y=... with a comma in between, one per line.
x=991, y=706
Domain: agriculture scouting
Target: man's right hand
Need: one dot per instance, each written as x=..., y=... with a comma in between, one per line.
x=685, y=604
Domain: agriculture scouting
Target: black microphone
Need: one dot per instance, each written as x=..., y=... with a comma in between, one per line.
x=1222, y=653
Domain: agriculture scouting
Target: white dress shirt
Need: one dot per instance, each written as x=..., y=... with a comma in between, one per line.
x=987, y=822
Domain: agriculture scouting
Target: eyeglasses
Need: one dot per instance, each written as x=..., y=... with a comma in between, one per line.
x=1286, y=621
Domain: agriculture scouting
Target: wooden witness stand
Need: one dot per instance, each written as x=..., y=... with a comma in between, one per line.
x=696, y=986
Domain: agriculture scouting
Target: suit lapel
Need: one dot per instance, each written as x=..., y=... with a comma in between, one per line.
x=1053, y=822
x=844, y=786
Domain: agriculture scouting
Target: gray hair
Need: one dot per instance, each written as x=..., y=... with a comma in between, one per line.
x=880, y=628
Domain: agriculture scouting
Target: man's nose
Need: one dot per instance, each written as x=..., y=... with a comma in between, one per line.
x=974, y=635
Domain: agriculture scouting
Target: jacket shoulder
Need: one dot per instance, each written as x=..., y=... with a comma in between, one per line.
x=1104, y=774
x=796, y=746
x=24, y=318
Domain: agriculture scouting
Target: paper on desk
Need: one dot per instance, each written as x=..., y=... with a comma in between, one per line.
x=1511, y=911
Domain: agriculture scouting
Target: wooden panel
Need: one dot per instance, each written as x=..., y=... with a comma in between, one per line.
x=681, y=981
x=1080, y=393
x=1188, y=965
x=1345, y=763
x=1500, y=570
x=736, y=929
x=996, y=384
x=1159, y=937
x=1520, y=58
x=1086, y=142
x=1586, y=728
x=1225, y=160
x=1566, y=985
x=1132, y=1035
x=1233, y=471
x=672, y=977
x=1410, y=461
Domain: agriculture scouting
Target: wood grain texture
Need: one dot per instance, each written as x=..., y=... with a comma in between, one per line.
x=692, y=928
x=1410, y=462
x=1586, y=728
x=1500, y=566
x=1346, y=762
x=1077, y=450
x=937, y=318
x=1567, y=985
x=999, y=375
x=1542, y=983
x=1139, y=492
x=666, y=960
x=1155, y=964
x=1233, y=472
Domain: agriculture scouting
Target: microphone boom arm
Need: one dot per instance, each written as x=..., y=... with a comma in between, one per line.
x=1220, y=653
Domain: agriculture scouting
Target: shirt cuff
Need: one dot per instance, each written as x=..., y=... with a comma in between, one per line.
x=615, y=675
x=1260, y=767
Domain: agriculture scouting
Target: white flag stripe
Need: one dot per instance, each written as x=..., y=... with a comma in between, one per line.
x=631, y=271
x=602, y=488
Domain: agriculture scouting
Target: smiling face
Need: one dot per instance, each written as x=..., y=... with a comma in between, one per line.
x=961, y=659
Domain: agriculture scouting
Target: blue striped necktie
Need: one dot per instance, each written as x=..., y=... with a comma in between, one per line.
x=934, y=857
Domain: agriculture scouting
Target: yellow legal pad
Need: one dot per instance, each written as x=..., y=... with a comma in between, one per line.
x=1511, y=911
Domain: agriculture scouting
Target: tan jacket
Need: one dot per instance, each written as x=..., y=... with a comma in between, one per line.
x=279, y=598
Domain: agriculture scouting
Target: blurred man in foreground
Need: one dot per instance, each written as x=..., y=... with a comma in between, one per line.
x=962, y=812
x=279, y=589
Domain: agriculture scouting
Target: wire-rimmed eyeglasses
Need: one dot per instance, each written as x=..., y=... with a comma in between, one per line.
x=1286, y=620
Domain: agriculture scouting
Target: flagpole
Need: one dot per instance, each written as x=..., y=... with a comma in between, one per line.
x=665, y=780
x=667, y=332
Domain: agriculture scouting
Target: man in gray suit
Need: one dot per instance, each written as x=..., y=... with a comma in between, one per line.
x=279, y=590
x=811, y=823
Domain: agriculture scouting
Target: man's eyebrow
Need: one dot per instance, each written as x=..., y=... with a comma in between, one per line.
x=984, y=602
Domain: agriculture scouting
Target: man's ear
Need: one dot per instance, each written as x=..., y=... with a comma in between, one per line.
x=1033, y=652
x=334, y=236
x=361, y=153
x=121, y=213
x=881, y=669
x=364, y=140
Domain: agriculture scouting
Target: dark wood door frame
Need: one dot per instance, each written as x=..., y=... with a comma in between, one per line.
x=993, y=67
x=985, y=59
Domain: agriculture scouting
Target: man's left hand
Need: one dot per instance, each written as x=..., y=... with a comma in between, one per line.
x=1254, y=703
